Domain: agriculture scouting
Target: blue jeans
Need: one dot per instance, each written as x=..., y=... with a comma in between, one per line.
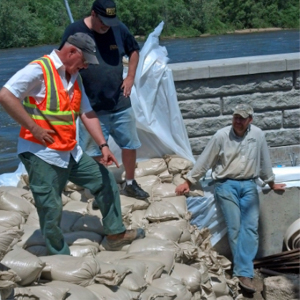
x=239, y=202
x=120, y=125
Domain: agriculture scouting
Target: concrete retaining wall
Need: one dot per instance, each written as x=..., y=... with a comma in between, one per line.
x=208, y=91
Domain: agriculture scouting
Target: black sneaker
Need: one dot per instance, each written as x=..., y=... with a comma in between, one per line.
x=135, y=191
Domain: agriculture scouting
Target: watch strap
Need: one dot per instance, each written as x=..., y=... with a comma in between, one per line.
x=103, y=145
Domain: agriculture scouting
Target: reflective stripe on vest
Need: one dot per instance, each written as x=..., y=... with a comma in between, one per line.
x=56, y=111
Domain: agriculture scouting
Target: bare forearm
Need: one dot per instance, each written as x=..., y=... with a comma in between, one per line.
x=92, y=125
x=132, y=65
x=15, y=109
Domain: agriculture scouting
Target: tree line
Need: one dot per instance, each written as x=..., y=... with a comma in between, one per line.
x=25, y=23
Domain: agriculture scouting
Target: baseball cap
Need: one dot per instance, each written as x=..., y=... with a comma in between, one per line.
x=86, y=44
x=106, y=11
x=243, y=110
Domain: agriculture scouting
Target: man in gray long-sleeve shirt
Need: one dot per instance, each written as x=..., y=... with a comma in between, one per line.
x=238, y=154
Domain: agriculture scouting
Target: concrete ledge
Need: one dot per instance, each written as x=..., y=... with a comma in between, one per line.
x=235, y=66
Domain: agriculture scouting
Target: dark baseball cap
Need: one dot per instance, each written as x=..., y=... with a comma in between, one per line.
x=106, y=11
x=86, y=44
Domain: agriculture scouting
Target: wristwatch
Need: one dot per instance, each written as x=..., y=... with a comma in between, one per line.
x=103, y=145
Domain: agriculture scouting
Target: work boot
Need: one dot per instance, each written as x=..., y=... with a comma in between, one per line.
x=135, y=191
x=117, y=241
x=247, y=284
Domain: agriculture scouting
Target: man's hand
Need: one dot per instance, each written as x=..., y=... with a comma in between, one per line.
x=43, y=135
x=278, y=187
x=127, y=86
x=107, y=158
x=183, y=188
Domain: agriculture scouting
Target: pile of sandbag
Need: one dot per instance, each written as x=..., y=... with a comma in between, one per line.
x=174, y=261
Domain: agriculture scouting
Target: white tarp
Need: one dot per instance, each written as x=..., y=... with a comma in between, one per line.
x=154, y=101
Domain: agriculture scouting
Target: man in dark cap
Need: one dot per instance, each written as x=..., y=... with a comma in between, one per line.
x=108, y=93
x=45, y=98
x=238, y=155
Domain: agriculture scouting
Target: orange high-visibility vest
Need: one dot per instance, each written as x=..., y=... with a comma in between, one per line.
x=56, y=111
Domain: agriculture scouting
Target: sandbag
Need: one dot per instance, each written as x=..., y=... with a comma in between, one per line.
x=150, y=244
x=39, y=292
x=104, y=292
x=160, y=211
x=180, y=204
x=11, y=202
x=177, y=164
x=163, y=232
x=165, y=177
x=10, y=219
x=78, y=270
x=32, y=237
x=135, y=204
x=163, y=190
x=138, y=219
x=8, y=239
x=156, y=294
x=89, y=223
x=68, y=219
x=189, y=276
x=84, y=250
x=75, y=292
x=33, y=219
x=77, y=206
x=152, y=166
x=165, y=257
x=82, y=238
x=173, y=285
x=26, y=265
x=135, y=280
x=109, y=256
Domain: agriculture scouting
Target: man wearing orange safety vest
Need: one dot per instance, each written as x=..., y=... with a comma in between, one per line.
x=45, y=98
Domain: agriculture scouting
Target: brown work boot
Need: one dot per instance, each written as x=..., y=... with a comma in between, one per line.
x=247, y=284
x=117, y=241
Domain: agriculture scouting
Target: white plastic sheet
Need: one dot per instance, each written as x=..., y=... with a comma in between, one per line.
x=154, y=101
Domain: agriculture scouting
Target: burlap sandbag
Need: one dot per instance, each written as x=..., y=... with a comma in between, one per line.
x=82, y=238
x=163, y=232
x=76, y=206
x=180, y=204
x=184, y=226
x=8, y=239
x=151, y=244
x=138, y=219
x=39, y=292
x=75, y=292
x=156, y=293
x=173, y=285
x=165, y=257
x=11, y=202
x=134, y=203
x=160, y=211
x=10, y=219
x=189, y=276
x=152, y=166
x=177, y=164
x=26, y=265
x=68, y=219
x=165, y=177
x=78, y=270
x=104, y=292
x=163, y=190
x=89, y=223
x=110, y=256
x=84, y=250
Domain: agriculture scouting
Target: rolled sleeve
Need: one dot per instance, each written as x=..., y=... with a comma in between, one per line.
x=204, y=162
x=266, y=171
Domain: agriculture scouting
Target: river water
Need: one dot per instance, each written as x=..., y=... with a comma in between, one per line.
x=179, y=50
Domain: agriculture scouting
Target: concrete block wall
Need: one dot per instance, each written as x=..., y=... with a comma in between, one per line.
x=208, y=91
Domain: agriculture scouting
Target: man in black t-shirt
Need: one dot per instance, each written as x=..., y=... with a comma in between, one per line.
x=108, y=93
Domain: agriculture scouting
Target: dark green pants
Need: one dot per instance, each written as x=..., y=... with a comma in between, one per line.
x=47, y=183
